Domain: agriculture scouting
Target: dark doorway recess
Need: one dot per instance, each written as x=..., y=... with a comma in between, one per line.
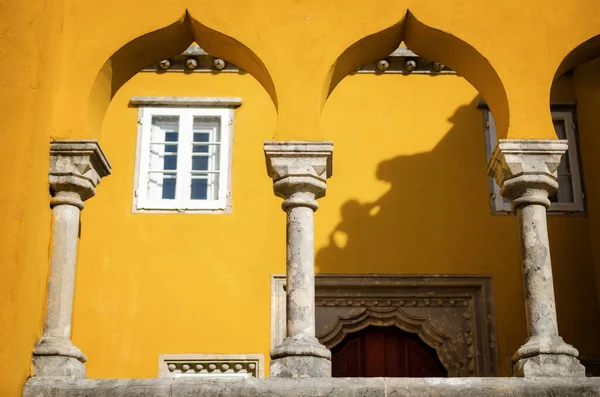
x=385, y=351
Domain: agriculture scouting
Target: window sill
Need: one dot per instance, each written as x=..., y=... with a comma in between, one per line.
x=226, y=210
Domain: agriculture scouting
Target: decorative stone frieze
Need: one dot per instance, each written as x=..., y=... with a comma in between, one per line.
x=526, y=172
x=76, y=168
x=401, y=61
x=211, y=366
x=451, y=313
x=299, y=171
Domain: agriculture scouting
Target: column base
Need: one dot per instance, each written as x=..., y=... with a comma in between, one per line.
x=300, y=357
x=544, y=356
x=58, y=357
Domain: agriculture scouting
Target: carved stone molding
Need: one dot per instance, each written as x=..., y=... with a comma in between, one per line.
x=211, y=366
x=401, y=61
x=384, y=317
x=451, y=313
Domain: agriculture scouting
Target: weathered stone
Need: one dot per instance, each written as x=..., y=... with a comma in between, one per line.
x=526, y=172
x=315, y=387
x=299, y=171
x=439, y=308
x=76, y=168
x=58, y=364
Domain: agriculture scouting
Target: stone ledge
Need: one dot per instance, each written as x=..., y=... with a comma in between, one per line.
x=314, y=387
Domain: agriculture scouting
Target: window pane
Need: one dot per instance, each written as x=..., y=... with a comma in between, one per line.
x=169, y=185
x=561, y=132
x=170, y=162
x=171, y=137
x=205, y=187
x=161, y=186
x=559, y=127
x=206, y=157
x=163, y=156
x=199, y=189
x=565, y=189
x=565, y=184
x=200, y=163
x=164, y=129
x=201, y=137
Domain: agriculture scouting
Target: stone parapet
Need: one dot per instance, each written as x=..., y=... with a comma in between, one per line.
x=331, y=387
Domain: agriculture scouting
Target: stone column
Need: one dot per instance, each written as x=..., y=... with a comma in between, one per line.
x=526, y=172
x=299, y=171
x=76, y=168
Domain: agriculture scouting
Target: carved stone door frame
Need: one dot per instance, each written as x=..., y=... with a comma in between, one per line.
x=451, y=313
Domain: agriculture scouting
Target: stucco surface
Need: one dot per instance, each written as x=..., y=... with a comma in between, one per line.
x=52, y=56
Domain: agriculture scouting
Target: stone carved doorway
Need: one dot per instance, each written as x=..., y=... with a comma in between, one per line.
x=452, y=314
x=385, y=352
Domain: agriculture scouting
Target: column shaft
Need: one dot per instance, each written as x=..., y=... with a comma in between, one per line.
x=540, y=304
x=300, y=272
x=62, y=271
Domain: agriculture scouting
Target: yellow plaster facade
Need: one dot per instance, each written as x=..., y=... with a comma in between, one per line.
x=409, y=192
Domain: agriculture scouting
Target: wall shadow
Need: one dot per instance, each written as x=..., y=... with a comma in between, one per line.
x=432, y=198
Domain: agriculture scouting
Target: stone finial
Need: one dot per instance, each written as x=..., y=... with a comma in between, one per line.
x=77, y=166
x=299, y=168
x=525, y=169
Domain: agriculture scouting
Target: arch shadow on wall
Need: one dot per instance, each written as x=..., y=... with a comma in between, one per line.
x=162, y=44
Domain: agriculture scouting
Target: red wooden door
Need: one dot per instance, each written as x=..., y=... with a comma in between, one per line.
x=385, y=351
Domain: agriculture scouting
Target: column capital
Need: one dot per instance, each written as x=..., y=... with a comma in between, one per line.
x=525, y=169
x=299, y=170
x=76, y=168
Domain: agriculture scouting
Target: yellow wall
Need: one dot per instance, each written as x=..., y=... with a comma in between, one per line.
x=53, y=51
x=408, y=195
x=24, y=212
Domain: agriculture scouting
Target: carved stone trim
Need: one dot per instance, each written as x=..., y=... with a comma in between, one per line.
x=401, y=61
x=459, y=307
x=211, y=366
x=399, y=318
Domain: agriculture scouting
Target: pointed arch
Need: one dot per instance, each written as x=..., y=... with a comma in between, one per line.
x=450, y=50
x=406, y=322
x=433, y=44
x=370, y=48
x=162, y=44
x=584, y=52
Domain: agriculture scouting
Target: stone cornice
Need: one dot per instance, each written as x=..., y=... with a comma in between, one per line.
x=165, y=101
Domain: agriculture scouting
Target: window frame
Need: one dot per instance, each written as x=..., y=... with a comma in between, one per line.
x=141, y=203
x=501, y=206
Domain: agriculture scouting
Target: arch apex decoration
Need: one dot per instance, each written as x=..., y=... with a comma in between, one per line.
x=448, y=49
x=370, y=48
x=433, y=44
x=382, y=317
x=161, y=44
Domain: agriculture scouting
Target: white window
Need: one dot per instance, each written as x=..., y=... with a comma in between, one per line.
x=569, y=196
x=184, y=159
